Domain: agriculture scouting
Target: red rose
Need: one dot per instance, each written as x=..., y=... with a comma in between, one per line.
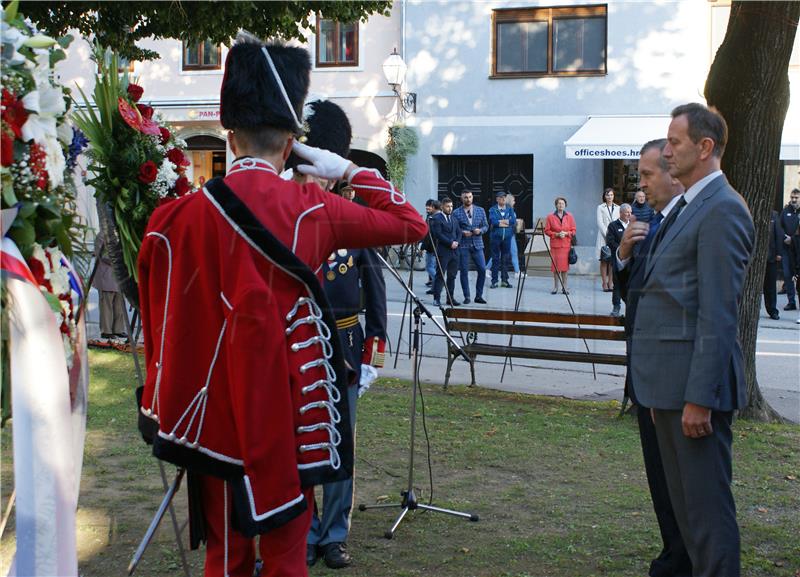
x=182, y=186
x=135, y=92
x=148, y=172
x=165, y=134
x=145, y=111
x=14, y=113
x=177, y=157
x=7, y=150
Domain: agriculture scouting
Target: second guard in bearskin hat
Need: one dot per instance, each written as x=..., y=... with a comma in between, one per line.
x=350, y=274
x=245, y=385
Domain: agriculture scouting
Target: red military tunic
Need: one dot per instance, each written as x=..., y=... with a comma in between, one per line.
x=243, y=379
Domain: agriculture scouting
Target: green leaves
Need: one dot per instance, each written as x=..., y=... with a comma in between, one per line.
x=121, y=24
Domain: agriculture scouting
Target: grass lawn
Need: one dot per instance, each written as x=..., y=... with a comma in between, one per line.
x=559, y=486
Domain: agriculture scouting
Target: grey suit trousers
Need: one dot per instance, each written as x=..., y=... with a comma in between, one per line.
x=699, y=475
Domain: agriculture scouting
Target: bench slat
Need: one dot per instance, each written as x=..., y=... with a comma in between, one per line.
x=538, y=331
x=531, y=317
x=545, y=354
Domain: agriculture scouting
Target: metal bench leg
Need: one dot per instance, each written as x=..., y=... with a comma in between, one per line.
x=450, y=360
x=625, y=399
x=472, y=370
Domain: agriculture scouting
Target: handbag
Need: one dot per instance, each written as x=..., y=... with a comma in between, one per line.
x=573, y=255
x=605, y=253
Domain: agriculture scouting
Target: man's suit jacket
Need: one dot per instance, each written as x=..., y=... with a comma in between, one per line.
x=775, y=237
x=444, y=231
x=684, y=345
x=614, y=234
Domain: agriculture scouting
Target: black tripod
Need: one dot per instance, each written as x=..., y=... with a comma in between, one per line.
x=409, y=500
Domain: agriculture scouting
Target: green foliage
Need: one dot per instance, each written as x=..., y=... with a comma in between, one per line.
x=403, y=142
x=120, y=25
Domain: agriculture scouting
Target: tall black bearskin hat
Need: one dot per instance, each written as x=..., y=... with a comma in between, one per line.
x=327, y=128
x=264, y=89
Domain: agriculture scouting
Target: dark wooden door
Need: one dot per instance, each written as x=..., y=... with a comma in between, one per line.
x=486, y=175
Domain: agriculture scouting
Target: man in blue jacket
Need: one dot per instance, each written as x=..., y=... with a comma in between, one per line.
x=472, y=221
x=502, y=220
x=446, y=237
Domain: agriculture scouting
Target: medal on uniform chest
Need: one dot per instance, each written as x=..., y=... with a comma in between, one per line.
x=342, y=268
x=330, y=275
x=350, y=261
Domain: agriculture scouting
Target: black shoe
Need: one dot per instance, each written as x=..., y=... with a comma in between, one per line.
x=437, y=304
x=453, y=303
x=311, y=555
x=790, y=307
x=429, y=283
x=615, y=312
x=107, y=335
x=774, y=315
x=336, y=555
x=467, y=301
x=429, y=292
x=479, y=301
x=505, y=284
x=121, y=335
x=494, y=285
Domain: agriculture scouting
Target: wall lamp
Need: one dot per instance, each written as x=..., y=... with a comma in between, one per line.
x=394, y=69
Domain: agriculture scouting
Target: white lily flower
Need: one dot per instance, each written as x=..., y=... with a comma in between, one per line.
x=39, y=41
x=54, y=160
x=14, y=39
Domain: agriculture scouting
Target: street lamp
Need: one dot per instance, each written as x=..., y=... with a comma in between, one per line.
x=394, y=69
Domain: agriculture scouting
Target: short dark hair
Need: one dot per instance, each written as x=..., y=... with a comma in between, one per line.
x=447, y=200
x=263, y=138
x=555, y=202
x=794, y=191
x=436, y=204
x=705, y=122
x=658, y=143
x=431, y=202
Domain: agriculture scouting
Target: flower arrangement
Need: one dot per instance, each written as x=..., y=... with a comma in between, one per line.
x=136, y=162
x=40, y=147
x=39, y=143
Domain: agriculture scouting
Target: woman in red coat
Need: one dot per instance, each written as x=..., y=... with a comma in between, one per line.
x=560, y=227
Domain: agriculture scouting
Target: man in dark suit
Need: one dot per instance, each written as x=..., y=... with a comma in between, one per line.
x=687, y=321
x=771, y=272
x=446, y=235
x=662, y=193
x=614, y=234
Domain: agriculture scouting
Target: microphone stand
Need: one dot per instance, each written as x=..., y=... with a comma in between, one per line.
x=409, y=500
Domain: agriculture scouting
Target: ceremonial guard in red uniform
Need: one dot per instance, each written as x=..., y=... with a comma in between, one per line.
x=350, y=274
x=245, y=385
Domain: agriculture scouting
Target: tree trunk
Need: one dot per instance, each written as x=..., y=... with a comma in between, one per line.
x=749, y=84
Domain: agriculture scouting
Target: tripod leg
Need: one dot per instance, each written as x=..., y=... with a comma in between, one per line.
x=174, y=517
x=472, y=517
x=166, y=503
x=390, y=533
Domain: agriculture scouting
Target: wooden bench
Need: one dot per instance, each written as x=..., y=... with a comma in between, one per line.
x=475, y=322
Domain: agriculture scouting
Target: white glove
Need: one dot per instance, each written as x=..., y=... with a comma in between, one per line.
x=368, y=376
x=324, y=163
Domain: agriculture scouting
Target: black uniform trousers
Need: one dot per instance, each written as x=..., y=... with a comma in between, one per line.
x=448, y=264
x=770, y=287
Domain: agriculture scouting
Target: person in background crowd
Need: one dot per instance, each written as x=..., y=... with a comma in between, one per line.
x=503, y=221
x=640, y=210
x=771, y=271
x=112, y=303
x=432, y=206
x=472, y=221
x=607, y=212
x=613, y=237
x=560, y=227
x=348, y=193
x=520, y=225
x=789, y=221
x=446, y=235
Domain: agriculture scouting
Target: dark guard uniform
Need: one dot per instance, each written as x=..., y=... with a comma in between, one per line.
x=244, y=383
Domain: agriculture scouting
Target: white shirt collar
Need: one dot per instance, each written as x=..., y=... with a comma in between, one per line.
x=695, y=189
x=666, y=210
